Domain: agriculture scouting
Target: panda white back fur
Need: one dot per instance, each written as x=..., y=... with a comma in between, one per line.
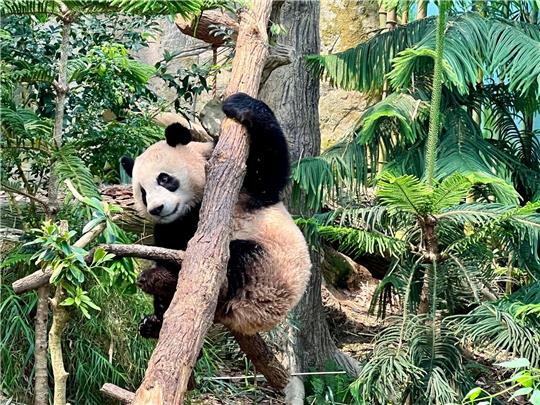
x=269, y=263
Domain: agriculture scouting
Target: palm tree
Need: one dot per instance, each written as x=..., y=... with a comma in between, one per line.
x=448, y=219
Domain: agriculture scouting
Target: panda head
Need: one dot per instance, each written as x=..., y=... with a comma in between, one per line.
x=169, y=177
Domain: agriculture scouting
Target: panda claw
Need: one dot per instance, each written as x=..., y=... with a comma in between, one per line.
x=150, y=326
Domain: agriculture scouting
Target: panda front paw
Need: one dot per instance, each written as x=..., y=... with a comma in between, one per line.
x=241, y=107
x=150, y=326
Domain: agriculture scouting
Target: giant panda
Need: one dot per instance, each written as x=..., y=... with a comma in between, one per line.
x=269, y=264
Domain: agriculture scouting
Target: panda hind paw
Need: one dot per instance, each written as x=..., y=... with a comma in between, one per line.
x=150, y=326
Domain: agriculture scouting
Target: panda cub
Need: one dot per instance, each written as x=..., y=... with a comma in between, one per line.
x=269, y=264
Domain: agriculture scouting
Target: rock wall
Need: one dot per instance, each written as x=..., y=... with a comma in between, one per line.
x=344, y=24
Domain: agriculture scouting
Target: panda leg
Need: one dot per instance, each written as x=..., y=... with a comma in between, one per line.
x=267, y=166
x=150, y=325
x=161, y=283
x=243, y=253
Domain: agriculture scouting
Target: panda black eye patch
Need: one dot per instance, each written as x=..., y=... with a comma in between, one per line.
x=167, y=181
x=143, y=196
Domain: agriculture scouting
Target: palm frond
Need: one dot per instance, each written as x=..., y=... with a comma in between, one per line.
x=402, y=108
x=364, y=67
x=341, y=169
x=463, y=55
x=415, y=357
x=70, y=166
x=462, y=149
x=516, y=229
x=23, y=124
x=376, y=217
x=512, y=52
x=354, y=241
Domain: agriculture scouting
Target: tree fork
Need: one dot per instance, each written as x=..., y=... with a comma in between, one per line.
x=192, y=309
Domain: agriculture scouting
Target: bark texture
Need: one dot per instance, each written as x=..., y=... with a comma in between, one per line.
x=202, y=28
x=60, y=319
x=117, y=393
x=293, y=93
x=61, y=87
x=143, y=251
x=263, y=359
x=421, y=6
x=40, y=352
x=203, y=272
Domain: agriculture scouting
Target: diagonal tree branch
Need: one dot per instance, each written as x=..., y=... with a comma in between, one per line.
x=192, y=309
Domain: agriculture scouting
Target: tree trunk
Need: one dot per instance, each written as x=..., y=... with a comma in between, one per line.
x=60, y=318
x=203, y=272
x=61, y=87
x=293, y=93
x=405, y=13
x=391, y=19
x=421, y=9
x=40, y=353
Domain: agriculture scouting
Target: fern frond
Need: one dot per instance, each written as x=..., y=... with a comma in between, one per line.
x=493, y=326
x=358, y=241
x=451, y=191
x=70, y=166
x=404, y=193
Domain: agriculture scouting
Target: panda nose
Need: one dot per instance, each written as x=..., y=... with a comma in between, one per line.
x=156, y=210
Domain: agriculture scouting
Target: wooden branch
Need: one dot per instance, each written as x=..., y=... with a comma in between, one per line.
x=41, y=396
x=114, y=392
x=192, y=309
x=143, y=252
x=263, y=359
x=280, y=55
x=202, y=27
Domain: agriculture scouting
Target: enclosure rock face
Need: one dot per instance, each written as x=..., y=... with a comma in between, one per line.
x=344, y=24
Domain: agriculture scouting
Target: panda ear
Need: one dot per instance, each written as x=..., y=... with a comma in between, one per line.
x=127, y=163
x=176, y=134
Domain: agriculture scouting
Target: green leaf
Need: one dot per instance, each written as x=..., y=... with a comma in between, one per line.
x=451, y=191
x=405, y=193
x=68, y=301
x=515, y=363
x=535, y=397
x=473, y=394
x=520, y=392
x=77, y=273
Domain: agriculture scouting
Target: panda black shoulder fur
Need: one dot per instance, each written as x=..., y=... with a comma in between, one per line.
x=269, y=263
